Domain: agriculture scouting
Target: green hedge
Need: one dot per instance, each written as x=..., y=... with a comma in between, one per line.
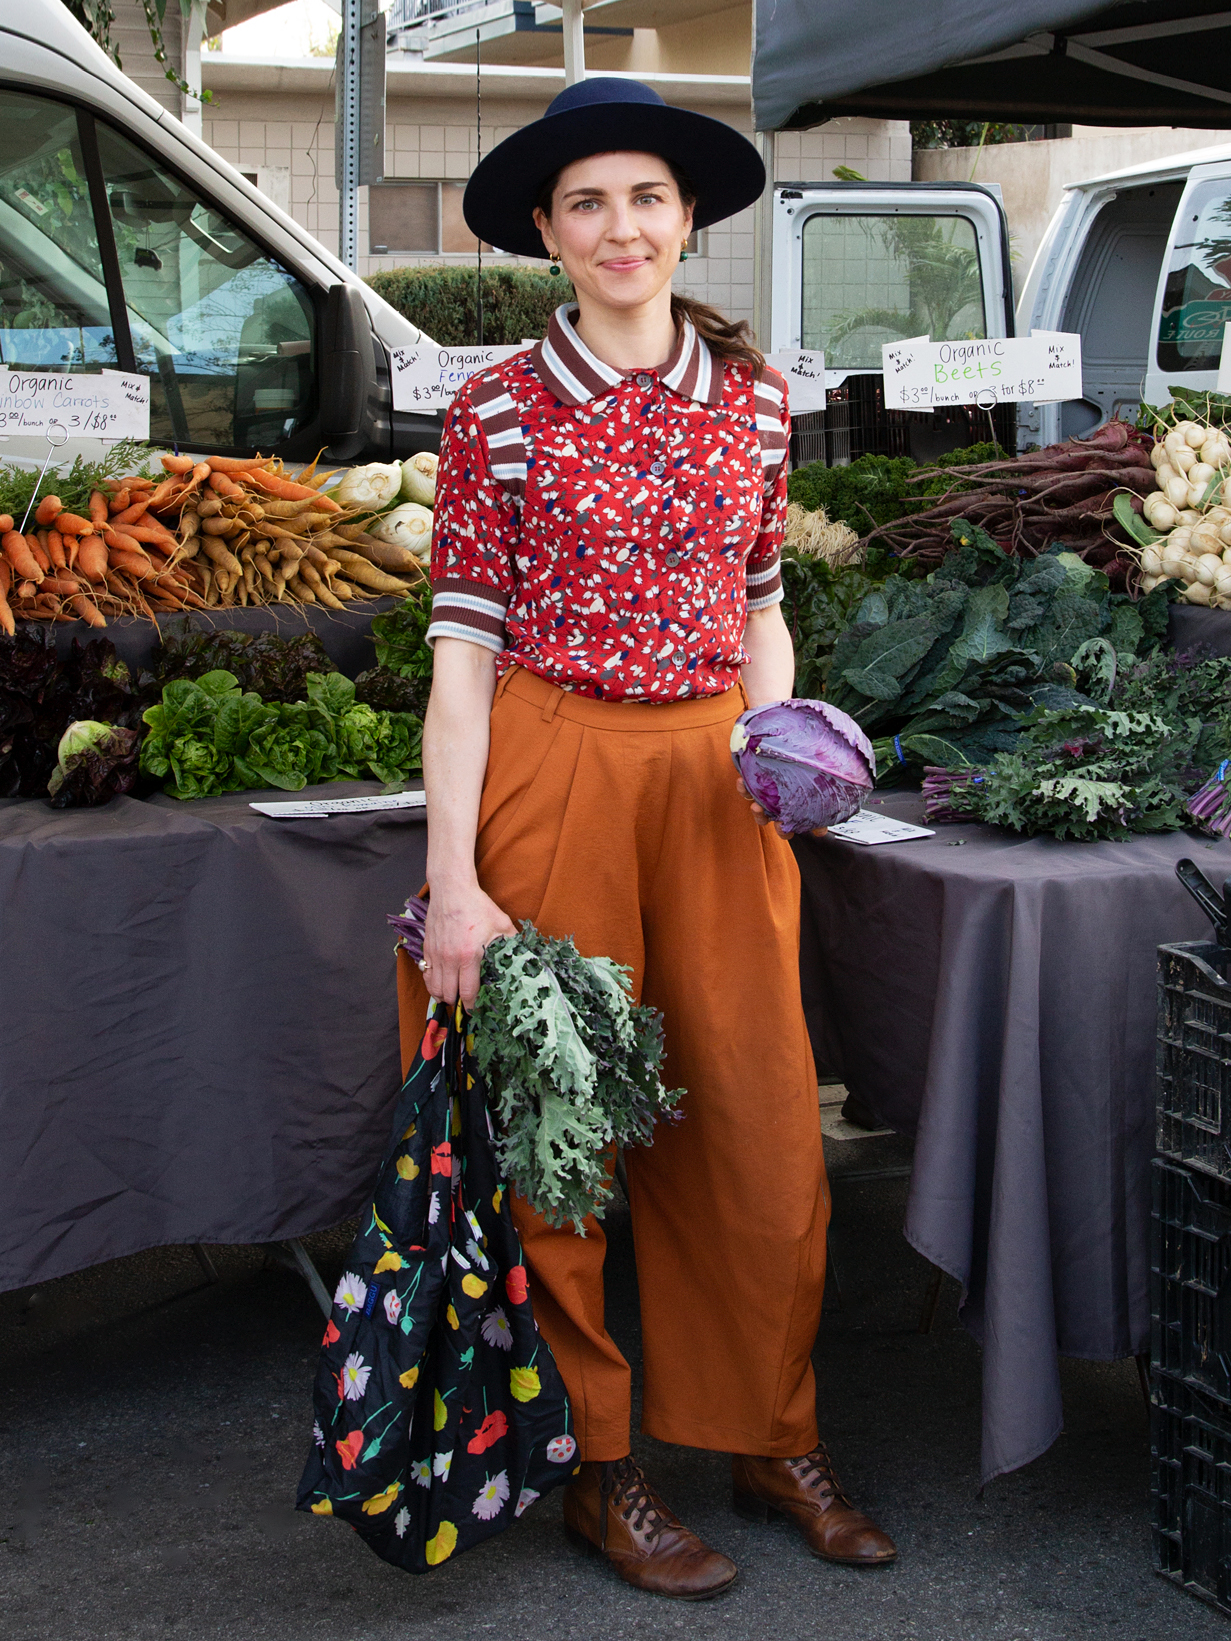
x=517, y=302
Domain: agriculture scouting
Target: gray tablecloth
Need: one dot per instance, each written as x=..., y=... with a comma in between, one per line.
x=995, y=997
x=199, y=1034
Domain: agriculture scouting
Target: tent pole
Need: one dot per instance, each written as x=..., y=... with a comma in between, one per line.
x=574, y=42
x=763, y=245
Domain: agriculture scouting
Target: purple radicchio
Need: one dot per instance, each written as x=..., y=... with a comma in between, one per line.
x=410, y=925
x=806, y=763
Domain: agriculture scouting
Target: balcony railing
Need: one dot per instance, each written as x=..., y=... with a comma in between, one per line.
x=406, y=13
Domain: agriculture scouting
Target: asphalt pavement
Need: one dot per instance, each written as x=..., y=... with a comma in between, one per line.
x=151, y=1439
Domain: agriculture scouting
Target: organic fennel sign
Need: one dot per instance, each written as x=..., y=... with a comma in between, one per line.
x=426, y=378
x=1040, y=368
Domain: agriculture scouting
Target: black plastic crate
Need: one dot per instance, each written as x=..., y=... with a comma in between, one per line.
x=1191, y=1277
x=1191, y=1489
x=1194, y=1055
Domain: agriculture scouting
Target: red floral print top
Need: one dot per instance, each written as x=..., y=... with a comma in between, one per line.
x=610, y=531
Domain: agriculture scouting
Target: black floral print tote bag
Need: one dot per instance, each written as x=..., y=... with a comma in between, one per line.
x=440, y=1413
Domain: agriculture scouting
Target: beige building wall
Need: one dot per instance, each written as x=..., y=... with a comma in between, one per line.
x=285, y=141
x=1033, y=175
x=131, y=34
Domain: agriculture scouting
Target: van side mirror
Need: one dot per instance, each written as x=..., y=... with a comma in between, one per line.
x=347, y=371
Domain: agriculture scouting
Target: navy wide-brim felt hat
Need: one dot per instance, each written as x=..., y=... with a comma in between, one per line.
x=603, y=116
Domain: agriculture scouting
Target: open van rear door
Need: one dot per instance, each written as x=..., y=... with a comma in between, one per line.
x=858, y=264
x=1098, y=273
x=1193, y=301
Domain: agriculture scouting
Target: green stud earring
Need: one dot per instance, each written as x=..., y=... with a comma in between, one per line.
x=554, y=270
x=684, y=252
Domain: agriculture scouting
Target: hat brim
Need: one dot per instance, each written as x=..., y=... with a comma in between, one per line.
x=724, y=168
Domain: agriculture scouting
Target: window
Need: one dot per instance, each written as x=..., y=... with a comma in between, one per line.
x=879, y=277
x=418, y=219
x=1197, y=294
x=224, y=332
x=54, y=313
x=404, y=217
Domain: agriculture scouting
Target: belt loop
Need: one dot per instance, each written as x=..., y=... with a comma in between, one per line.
x=551, y=703
x=502, y=683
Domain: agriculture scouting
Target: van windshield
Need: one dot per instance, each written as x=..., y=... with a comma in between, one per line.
x=1197, y=294
x=877, y=277
x=54, y=313
x=225, y=333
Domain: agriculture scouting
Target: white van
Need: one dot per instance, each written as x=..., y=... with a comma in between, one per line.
x=1139, y=262
x=857, y=264
x=126, y=242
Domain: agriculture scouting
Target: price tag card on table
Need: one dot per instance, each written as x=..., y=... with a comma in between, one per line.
x=309, y=808
x=426, y=378
x=107, y=405
x=1042, y=368
x=869, y=829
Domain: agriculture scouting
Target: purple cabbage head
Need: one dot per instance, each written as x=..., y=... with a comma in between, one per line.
x=806, y=763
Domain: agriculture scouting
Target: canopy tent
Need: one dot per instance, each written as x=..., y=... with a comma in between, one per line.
x=1139, y=62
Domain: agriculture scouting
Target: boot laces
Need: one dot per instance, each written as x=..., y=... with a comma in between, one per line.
x=816, y=1472
x=625, y=1486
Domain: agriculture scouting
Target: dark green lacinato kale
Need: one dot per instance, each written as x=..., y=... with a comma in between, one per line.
x=944, y=671
x=572, y=1068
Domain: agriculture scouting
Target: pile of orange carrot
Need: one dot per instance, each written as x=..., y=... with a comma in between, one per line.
x=217, y=533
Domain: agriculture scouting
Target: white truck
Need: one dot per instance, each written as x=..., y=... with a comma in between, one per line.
x=1137, y=262
x=126, y=243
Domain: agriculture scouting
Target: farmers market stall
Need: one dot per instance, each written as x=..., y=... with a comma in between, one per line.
x=200, y=1027
x=993, y=995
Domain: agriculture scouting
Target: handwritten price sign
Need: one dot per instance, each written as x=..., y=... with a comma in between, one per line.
x=426, y=378
x=804, y=369
x=1040, y=368
x=109, y=405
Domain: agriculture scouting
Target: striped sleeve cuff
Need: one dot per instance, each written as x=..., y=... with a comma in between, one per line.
x=765, y=583
x=470, y=610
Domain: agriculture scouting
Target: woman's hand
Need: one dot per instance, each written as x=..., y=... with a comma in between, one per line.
x=762, y=819
x=460, y=926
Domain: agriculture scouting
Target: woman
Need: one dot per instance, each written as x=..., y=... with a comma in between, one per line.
x=605, y=570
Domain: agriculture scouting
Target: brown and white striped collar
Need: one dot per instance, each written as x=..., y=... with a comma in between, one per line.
x=567, y=368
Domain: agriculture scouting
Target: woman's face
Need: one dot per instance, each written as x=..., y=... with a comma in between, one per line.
x=618, y=223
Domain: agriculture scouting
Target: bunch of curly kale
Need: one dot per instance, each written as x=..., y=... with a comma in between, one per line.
x=570, y=1062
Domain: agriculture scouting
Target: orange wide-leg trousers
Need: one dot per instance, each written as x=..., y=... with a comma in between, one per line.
x=618, y=824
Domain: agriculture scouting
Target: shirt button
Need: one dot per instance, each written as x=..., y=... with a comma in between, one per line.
x=658, y=469
x=679, y=658
x=643, y=380
x=672, y=560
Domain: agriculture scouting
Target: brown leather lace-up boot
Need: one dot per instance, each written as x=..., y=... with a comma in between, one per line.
x=809, y=1493
x=610, y=1508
